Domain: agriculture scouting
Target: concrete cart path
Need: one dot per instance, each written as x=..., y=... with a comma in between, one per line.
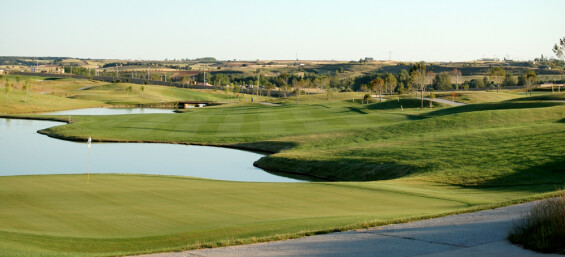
x=270, y=104
x=480, y=233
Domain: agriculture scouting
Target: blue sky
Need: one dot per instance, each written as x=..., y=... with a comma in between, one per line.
x=312, y=30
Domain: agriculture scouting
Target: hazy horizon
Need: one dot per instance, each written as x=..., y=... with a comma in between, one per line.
x=433, y=31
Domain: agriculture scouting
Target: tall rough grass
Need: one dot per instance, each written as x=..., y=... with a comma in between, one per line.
x=543, y=229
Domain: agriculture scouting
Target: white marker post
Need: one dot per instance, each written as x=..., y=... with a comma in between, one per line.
x=88, y=175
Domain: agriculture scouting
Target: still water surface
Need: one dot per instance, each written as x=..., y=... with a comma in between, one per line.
x=23, y=151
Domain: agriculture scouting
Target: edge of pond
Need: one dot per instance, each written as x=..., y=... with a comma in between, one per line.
x=242, y=147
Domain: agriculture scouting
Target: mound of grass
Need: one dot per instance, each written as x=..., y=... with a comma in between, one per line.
x=544, y=97
x=49, y=94
x=16, y=102
x=474, y=97
x=398, y=104
x=543, y=228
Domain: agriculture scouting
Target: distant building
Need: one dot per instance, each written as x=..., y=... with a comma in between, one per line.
x=489, y=60
x=368, y=59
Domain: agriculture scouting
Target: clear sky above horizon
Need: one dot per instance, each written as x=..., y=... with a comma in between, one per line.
x=431, y=30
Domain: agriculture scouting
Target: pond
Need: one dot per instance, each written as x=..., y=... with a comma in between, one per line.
x=25, y=152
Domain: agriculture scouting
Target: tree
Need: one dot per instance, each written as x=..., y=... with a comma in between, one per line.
x=559, y=49
x=454, y=95
x=443, y=81
x=476, y=83
x=185, y=80
x=236, y=90
x=508, y=81
x=269, y=86
x=201, y=77
x=25, y=88
x=486, y=81
x=497, y=74
x=8, y=89
x=401, y=89
x=418, y=78
x=366, y=98
x=457, y=74
x=404, y=77
x=430, y=78
x=377, y=85
x=18, y=79
x=284, y=88
x=297, y=92
x=530, y=79
x=390, y=83
x=329, y=92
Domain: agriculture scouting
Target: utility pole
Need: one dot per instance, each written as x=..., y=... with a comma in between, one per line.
x=204, y=78
x=147, y=73
x=117, y=75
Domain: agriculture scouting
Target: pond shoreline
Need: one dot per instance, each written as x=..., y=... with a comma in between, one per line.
x=241, y=147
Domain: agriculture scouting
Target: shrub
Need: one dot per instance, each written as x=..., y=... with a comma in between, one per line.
x=366, y=98
x=543, y=228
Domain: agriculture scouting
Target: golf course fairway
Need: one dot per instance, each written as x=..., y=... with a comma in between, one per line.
x=387, y=162
x=61, y=215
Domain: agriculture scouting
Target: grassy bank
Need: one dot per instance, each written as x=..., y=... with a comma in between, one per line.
x=52, y=94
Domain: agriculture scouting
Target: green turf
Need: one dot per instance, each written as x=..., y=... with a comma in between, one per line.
x=402, y=163
x=60, y=215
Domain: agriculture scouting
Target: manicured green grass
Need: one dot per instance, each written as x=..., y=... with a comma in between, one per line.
x=230, y=124
x=60, y=215
x=401, y=164
x=354, y=142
